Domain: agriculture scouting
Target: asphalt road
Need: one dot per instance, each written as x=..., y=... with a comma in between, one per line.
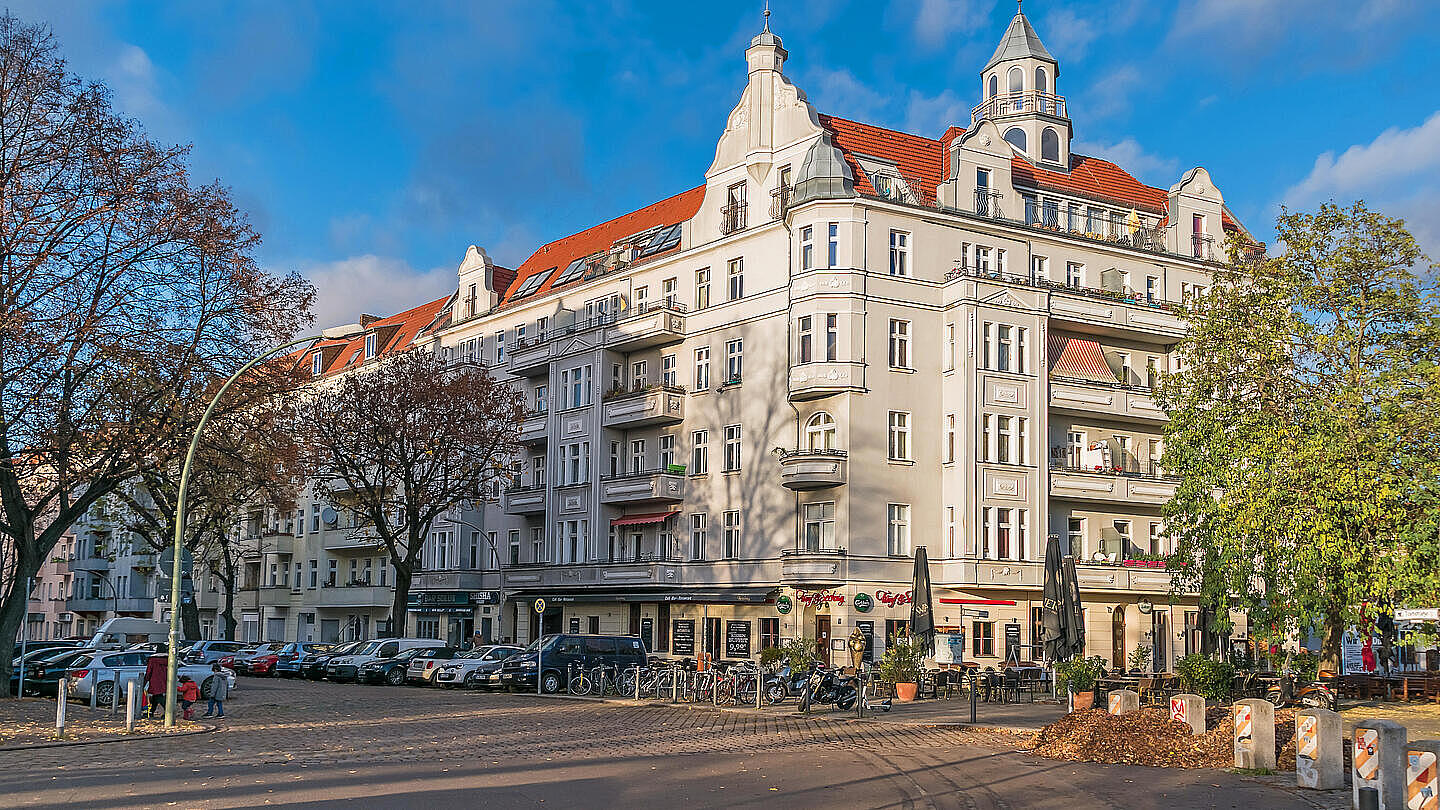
x=321, y=744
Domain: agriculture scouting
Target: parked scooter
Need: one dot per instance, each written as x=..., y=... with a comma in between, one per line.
x=826, y=686
x=786, y=682
x=1315, y=695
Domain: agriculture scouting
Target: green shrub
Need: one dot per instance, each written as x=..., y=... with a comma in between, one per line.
x=798, y=652
x=903, y=660
x=1304, y=666
x=770, y=656
x=1206, y=677
x=1079, y=674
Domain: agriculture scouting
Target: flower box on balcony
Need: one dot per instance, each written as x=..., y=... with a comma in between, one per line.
x=678, y=469
x=1144, y=563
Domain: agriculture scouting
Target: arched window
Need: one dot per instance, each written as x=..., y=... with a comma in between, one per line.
x=1050, y=145
x=1016, y=80
x=1016, y=137
x=1040, y=80
x=994, y=86
x=820, y=432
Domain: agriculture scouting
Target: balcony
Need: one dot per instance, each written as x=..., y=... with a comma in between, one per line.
x=353, y=540
x=646, y=327
x=812, y=469
x=654, y=486
x=278, y=596
x=90, y=564
x=1110, y=487
x=987, y=203
x=655, y=405
x=525, y=501
x=815, y=380
x=1093, y=398
x=817, y=566
x=530, y=358
x=535, y=427
x=1094, y=307
x=355, y=596
x=1004, y=104
x=732, y=217
x=272, y=542
x=1202, y=246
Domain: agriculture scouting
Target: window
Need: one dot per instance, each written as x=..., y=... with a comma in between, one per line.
x=1015, y=80
x=317, y=363
x=819, y=526
x=1050, y=145
x=732, y=534
x=982, y=260
x=899, y=344
x=642, y=297
x=575, y=385
x=1003, y=439
x=700, y=452
x=1004, y=347
x=702, y=288
x=1075, y=537
x=769, y=632
x=820, y=432
x=542, y=398
x=951, y=550
x=1039, y=268
x=899, y=445
x=949, y=347
x=982, y=178
x=615, y=468
x=1015, y=136
x=575, y=463
x=1004, y=534
x=832, y=336
x=500, y=346
x=833, y=250
x=949, y=438
x=1074, y=449
x=1157, y=539
x=667, y=370
x=897, y=535
x=732, y=448
x=982, y=638
x=314, y=517
x=637, y=455
x=1074, y=274
x=639, y=374
x=736, y=272
x=994, y=87
x=471, y=299
x=807, y=247
x=537, y=544
x=697, y=536
x=702, y=368
x=1122, y=529
x=332, y=571
x=669, y=290
x=370, y=340
x=806, y=330
x=667, y=451
x=734, y=360
x=1041, y=84
x=1152, y=289
x=540, y=326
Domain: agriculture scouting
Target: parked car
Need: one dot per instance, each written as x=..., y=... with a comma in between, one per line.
x=421, y=671
x=475, y=668
x=558, y=653
x=347, y=667
x=35, y=660
x=43, y=676
x=208, y=652
x=122, y=631
x=312, y=665
x=99, y=671
x=245, y=658
x=33, y=648
x=392, y=670
x=292, y=658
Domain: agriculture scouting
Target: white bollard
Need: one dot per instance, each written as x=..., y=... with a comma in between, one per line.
x=130, y=707
x=1319, y=750
x=1422, y=782
x=1378, y=763
x=1254, y=734
x=1124, y=701
x=1190, y=710
x=61, y=695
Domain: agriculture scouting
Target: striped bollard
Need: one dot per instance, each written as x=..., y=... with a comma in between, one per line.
x=1378, y=765
x=1319, y=750
x=1422, y=775
x=1254, y=734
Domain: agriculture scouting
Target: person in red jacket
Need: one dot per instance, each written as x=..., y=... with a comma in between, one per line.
x=156, y=672
x=187, y=693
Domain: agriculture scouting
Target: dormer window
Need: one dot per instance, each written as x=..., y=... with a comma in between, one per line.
x=317, y=363
x=471, y=301
x=370, y=340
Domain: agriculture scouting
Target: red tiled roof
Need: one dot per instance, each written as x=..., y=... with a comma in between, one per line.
x=562, y=252
x=398, y=331
x=916, y=157
x=1078, y=359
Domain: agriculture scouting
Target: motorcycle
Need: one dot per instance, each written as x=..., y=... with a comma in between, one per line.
x=785, y=682
x=826, y=686
x=1314, y=695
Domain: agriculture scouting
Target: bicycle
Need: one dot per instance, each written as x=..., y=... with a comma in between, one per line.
x=578, y=683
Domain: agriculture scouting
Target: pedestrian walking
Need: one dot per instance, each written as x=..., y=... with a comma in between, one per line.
x=188, y=693
x=156, y=672
x=219, y=690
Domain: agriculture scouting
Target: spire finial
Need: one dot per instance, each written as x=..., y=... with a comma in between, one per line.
x=767, y=15
x=1018, y=4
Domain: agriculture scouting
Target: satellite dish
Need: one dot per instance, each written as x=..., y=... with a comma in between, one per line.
x=328, y=515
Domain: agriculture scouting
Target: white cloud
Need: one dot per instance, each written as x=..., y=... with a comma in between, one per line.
x=932, y=115
x=840, y=93
x=1129, y=155
x=1067, y=34
x=135, y=81
x=1397, y=173
x=936, y=20
x=376, y=285
x=1258, y=23
x=1113, y=93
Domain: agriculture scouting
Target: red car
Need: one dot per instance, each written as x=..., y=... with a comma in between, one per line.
x=263, y=664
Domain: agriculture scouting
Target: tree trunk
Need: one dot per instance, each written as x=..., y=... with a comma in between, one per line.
x=1330, y=641
x=401, y=605
x=227, y=612
x=190, y=620
x=15, y=606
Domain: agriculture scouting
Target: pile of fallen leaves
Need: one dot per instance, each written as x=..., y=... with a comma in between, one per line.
x=1150, y=737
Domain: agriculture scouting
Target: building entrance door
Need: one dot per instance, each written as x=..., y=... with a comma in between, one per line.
x=822, y=639
x=1117, y=639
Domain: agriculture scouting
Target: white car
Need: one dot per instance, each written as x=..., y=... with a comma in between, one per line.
x=104, y=667
x=473, y=669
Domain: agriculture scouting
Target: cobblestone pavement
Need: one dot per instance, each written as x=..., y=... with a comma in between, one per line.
x=307, y=743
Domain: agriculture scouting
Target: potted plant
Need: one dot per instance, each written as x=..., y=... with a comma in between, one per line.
x=901, y=666
x=1077, y=676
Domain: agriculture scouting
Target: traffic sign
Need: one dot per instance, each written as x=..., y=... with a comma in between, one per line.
x=539, y=605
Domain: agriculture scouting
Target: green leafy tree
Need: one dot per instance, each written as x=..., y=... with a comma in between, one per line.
x=1305, y=432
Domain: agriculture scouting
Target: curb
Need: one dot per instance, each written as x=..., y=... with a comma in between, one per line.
x=202, y=729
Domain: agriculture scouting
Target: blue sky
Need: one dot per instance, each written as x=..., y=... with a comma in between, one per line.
x=372, y=142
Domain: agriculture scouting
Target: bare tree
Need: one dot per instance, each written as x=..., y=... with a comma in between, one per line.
x=125, y=293
x=403, y=443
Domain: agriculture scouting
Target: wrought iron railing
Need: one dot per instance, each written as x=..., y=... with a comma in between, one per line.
x=732, y=217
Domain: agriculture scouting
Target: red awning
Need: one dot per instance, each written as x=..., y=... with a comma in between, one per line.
x=1079, y=359
x=644, y=519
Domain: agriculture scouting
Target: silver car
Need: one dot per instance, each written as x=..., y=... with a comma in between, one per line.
x=103, y=668
x=474, y=668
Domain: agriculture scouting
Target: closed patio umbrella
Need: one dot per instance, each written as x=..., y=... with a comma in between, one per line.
x=1054, y=616
x=922, y=611
x=1074, y=625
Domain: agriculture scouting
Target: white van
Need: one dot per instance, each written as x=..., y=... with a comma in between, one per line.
x=346, y=667
x=121, y=632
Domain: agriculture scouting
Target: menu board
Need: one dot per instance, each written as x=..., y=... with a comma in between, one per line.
x=737, y=639
x=682, y=633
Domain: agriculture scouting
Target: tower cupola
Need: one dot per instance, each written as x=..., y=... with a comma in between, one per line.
x=1019, y=94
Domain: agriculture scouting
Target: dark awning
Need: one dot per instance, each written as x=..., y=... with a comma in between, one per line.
x=644, y=519
x=699, y=596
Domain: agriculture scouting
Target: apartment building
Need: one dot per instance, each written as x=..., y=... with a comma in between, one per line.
x=753, y=400
x=111, y=570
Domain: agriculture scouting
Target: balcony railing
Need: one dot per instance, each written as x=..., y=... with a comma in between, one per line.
x=732, y=217
x=987, y=203
x=963, y=270
x=1129, y=468
x=780, y=200
x=904, y=189
x=812, y=469
x=1005, y=104
x=1203, y=246
x=640, y=390
x=597, y=321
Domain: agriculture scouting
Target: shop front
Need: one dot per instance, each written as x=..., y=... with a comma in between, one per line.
x=459, y=618
x=728, y=623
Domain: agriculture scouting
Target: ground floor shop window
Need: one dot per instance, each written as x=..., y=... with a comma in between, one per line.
x=894, y=628
x=769, y=633
x=427, y=628
x=982, y=639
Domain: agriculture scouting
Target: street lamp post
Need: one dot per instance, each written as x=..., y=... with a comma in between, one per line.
x=334, y=333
